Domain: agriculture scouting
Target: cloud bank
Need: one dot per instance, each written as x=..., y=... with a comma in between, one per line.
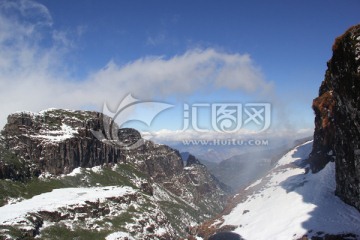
x=34, y=74
x=168, y=136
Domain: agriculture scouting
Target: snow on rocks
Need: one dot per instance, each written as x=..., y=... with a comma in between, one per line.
x=74, y=172
x=119, y=236
x=64, y=133
x=357, y=52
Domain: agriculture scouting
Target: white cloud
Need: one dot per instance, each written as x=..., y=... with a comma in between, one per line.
x=239, y=72
x=182, y=74
x=34, y=77
x=26, y=11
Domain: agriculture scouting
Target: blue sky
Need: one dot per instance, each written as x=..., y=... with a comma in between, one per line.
x=71, y=54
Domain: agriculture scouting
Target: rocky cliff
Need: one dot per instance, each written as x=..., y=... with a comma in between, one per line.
x=337, y=117
x=36, y=148
x=58, y=141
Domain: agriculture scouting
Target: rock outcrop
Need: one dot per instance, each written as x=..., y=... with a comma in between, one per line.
x=192, y=160
x=337, y=117
x=58, y=141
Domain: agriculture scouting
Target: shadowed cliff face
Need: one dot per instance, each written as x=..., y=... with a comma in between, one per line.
x=337, y=117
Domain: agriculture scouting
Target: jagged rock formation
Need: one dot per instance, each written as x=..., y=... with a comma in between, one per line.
x=337, y=117
x=55, y=142
x=192, y=160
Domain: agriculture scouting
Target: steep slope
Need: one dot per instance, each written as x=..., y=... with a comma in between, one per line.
x=337, y=121
x=55, y=151
x=240, y=170
x=289, y=203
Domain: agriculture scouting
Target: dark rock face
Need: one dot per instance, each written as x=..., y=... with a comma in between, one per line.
x=12, y=167
x=337, y=117
x=58, y=141
x=192, y=160
x=164, y=165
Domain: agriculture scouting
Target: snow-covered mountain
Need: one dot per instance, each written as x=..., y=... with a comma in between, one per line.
x=288, y=203
x=58, y=180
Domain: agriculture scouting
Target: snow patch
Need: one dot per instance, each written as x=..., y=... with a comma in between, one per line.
x=74, y=172
x=66, y=132
x=79, y=170
x=189, y=168
x=96, y=169
x=119, y=236
x=216, y=222
x=45, y=175
x=42, y=112
x=254, y=184
x=14, y=200
x=160, y=231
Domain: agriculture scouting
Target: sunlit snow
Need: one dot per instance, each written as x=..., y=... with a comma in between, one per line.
x=294, y=203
